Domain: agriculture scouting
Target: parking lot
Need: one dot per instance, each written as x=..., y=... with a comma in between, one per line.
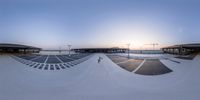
x=141, y=66
x=52, y=62
x=153, y=67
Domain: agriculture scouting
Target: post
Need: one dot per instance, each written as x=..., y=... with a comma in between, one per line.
x=181, y=50
x=128, y=50
x=60, y=50
x=69, y=46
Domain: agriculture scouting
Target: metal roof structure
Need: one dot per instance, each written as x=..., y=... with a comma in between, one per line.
x=6, y=48
x=194, y=45
x=101, y=50
x=7, y=45
x=182, y=49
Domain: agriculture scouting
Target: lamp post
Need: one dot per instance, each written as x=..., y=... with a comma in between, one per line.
x=153, y=44
x=141, y=50
x=69, y=46
x=60, y=50
x=128, y=50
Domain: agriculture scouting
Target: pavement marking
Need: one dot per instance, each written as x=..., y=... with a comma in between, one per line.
x=46, y=59
x=36, y=57
x=68, y=58
x=172, y=60
x=123, y=61
x=59, y=59
x=139, y=66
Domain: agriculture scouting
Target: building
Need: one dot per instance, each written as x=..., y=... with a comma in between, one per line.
x=100, y=50
x=183, y=49
x=17, y=48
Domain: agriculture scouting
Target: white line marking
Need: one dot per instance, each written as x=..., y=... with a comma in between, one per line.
x=36, y=58
x=139, y=66
x=68, y=58
x=124, y=61
x=59, y=59
x=46, y=59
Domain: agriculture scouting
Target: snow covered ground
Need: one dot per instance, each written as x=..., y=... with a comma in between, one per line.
x=104, y=81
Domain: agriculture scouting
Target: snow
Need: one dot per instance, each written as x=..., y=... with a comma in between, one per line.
x=105, y=81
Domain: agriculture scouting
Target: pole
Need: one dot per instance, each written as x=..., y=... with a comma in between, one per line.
x=69, y=46
x=60, y=50
x=128, y=50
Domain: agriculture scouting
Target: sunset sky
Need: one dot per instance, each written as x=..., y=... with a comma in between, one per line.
x=99, y=23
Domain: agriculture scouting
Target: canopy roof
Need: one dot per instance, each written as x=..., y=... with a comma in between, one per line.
x=7, y=45
x=194, y=45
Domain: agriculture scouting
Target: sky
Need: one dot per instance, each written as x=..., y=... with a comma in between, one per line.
x=52, y=24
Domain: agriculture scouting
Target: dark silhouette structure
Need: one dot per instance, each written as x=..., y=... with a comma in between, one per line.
x=18, y=48
x=100, y=50
x=183, y=49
